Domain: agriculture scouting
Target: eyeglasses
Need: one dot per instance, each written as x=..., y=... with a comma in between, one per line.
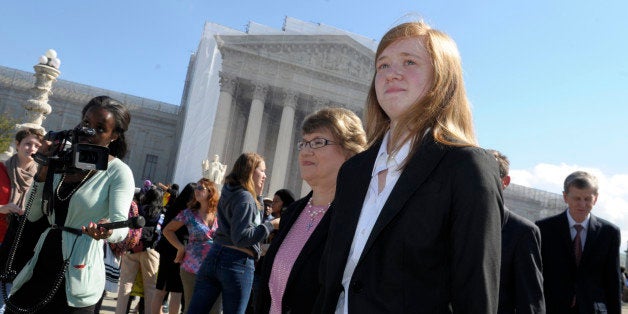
x=315, y=143
x=201, y=188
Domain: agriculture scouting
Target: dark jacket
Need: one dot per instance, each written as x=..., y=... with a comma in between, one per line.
x=240, y=220
x=150, y=231
x=521, y=279
x=302, y=286
x=27, y=239
x=436, y=245
x=596, y=282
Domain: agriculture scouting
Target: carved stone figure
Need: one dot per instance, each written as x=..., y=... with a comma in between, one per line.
x=214, y=170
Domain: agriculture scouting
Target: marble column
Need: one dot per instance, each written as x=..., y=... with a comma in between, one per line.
x=316, y=104
x=254, y=124
x=284, y=143
x=228, y=85
x=305, y=188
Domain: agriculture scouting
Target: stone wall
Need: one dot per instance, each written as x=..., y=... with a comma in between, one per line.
x=532, y=203
x=153, y=123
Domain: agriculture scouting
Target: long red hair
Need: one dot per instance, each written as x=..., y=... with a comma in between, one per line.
x=212, y=196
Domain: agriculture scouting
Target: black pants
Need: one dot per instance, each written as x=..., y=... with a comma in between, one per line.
x=47, y=270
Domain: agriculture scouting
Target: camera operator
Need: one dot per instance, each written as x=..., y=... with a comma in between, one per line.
x=69, y=254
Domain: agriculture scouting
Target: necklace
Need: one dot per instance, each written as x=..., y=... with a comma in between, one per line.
x=63, y=199
x=314, y=212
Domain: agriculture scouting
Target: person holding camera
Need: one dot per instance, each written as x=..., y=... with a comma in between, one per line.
x=66, y=273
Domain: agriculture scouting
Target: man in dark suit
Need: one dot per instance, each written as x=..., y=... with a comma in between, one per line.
x=521, y=275
x=580, y=254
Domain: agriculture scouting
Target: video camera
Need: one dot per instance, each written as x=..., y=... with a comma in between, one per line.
x=69, y=155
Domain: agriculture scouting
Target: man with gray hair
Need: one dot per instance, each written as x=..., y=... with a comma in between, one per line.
x=521, y=275
x=580, y=253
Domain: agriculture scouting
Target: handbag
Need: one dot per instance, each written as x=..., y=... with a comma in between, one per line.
x=132, y=239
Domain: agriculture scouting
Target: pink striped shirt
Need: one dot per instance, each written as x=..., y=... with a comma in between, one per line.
x=289, y=250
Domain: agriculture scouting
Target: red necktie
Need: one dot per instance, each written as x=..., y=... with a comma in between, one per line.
x=577, y=244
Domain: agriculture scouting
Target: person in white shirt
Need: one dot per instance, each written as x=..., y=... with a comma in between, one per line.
x=418, y=225
x=580, y=253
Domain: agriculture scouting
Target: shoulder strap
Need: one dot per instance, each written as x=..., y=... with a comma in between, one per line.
x=47, y=201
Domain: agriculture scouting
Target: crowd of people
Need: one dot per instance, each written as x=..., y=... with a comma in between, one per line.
x=405, y=215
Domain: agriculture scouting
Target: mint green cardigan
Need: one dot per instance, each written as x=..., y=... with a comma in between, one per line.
x=107, y=194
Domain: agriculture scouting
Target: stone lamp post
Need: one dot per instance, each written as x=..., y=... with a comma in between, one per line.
x=46, y=72
x=37, y=107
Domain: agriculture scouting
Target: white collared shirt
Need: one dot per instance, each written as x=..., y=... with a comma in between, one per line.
x=371, y=208
x=585, y=228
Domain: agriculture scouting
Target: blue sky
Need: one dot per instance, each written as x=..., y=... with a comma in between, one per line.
x=548, y=79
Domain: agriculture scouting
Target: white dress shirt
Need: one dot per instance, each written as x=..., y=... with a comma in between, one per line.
x=371, y=208
x=585, y=228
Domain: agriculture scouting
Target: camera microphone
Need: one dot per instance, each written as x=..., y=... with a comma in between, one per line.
x=133, y=223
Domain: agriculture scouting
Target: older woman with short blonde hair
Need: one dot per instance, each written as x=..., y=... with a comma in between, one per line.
x=289, y=280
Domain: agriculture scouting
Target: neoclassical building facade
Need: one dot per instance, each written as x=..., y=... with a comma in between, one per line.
x=254, y=89
x=244, y=92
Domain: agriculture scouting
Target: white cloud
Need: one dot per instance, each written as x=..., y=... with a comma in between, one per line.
x=612, y=203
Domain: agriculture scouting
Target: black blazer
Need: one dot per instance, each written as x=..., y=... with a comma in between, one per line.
x=596, y=282
x=302, y=286
x=521, y=279
x=436, y=245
